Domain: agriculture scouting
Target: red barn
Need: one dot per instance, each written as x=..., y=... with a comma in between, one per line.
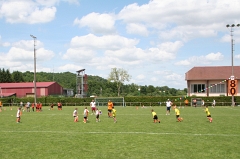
x=27, y=89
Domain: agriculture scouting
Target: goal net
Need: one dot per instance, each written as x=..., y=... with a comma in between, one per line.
x=198, y=102
x=117, y=101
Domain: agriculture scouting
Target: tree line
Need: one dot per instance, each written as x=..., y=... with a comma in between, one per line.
x=97, y=86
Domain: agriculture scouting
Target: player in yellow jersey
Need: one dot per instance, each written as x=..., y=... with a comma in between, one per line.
x=208, y=114
x=177, y=112
x=155, y=117
x=114, y=114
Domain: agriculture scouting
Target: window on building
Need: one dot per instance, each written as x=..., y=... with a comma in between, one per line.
x=219, y=88
x=197, y=88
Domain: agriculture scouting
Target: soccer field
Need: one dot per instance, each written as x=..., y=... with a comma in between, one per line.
x=53, y=134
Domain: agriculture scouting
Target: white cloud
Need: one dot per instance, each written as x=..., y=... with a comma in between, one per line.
x=214, y=56
x=237, y=56
x=21, y=56
x=27, y=11
x=4, y=44
x=202, y=60
x=27, y=44
x=183, y=63
x=182, y=19
x=118, y=51
x=107, y=42
x=67, y=67
x=236, y=36
x=72, y=1
x=96, y=50
x=165, y=51
x=98, y=23
x=138, y=29
x=174, y=77
x=79, y=55
x=47, y=3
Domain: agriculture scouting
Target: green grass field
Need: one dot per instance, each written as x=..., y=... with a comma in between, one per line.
x=53, y=134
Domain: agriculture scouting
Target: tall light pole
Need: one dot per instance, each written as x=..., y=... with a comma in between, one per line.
x=232, y=50
x=35, y=87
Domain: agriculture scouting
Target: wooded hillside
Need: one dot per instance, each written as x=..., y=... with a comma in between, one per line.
x=97, y=86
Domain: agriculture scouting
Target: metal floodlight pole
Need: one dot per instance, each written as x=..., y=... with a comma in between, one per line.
x=35, y=87
x=232, y=50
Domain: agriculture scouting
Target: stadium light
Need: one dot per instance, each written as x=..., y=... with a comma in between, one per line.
x=232, y=50
x=35, y=87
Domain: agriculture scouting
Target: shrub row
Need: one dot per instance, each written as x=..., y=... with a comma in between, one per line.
x=130, y=101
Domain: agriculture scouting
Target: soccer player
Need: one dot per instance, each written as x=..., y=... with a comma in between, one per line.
x=59, y=106
x=168, y=105
x=40, y=106
x=186, y=102
x=85, y=115
x=110, y=107
x=51, y=106
x=93, y=106
x=155, y=117
x=21, y=104
x=33, y=105
x=28, y=106
x=75, y=115
x=114, y=114
x=208, y=114
x=97, y=113
x=177, y=112
x=213, y=103
x=194, y=102
x=19, y=113
x=203, y=103
x=0, y=106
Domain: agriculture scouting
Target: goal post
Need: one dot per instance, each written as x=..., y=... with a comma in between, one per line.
x=103, y=101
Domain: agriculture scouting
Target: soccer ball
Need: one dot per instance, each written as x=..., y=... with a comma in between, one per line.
x=181, y=119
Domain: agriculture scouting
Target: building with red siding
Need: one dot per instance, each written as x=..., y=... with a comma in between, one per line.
x=27, y=89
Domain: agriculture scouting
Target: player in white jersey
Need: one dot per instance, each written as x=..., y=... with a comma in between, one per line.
x=93, y=106
x=97, y=113
x=18, y=115
x=168, y=105
x=75, y=115
x=85, y=115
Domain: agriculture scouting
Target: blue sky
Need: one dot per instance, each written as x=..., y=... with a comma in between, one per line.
x=156, y=41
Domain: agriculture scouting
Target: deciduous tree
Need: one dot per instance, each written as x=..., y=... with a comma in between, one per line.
x=119, y=76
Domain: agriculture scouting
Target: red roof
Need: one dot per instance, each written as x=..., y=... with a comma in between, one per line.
x=6, y=94
x=212, y=73
x=25, y=84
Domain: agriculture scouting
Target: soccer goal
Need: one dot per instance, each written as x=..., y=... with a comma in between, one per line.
x=117, y=101
x=198, y=102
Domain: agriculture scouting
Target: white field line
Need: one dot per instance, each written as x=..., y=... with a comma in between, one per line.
x=147, y=133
